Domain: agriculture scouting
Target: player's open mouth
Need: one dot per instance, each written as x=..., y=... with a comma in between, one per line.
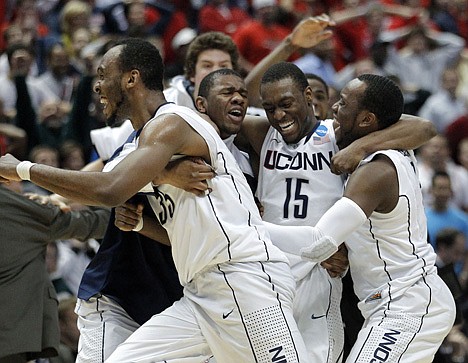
x=236, y=115
x=104, y=102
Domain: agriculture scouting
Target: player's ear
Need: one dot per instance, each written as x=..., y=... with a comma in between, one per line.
x=132, y=78
x=200, y=103
x=309, y=96
x=367, y=119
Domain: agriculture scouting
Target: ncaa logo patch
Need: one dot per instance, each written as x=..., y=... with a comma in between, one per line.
x=321, y=130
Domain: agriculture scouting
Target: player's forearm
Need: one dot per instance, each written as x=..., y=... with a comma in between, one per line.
x=91, y=188
x=253, y=79
x=152, y=229
x=407, y=134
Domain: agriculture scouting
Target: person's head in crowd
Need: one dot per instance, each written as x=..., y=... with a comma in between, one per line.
x=119, y=62
x=441, y=190
x=74, y=15
x=288, y=101
x=450, y=81
x=223, y=97
x=13, y=35
x=463, y=153
x=367, y=103
x=266, y=11
x=418, y=41
x=80, y=38
x=208, y=52
x=20, y=58
x=435, y=153
x=450, y=246
x=71, y=155
x=45, y=154
x=26, y=17
x=58, y=61
x=320, y=96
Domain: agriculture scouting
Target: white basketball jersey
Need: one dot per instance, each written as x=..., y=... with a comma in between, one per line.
x=225, y=225
x=390, y=252
x=295, y=183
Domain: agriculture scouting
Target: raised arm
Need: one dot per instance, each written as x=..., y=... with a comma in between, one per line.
x=407, y=134
x=308, y=33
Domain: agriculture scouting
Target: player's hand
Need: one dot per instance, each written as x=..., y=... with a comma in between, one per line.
x=53, y=199
x=8, y=165
x=337, y=264
x=190, y=174
x=127, y=216
x=311, y=31
x=346, y=160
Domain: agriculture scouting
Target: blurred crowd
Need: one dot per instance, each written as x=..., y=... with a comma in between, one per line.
x=49, y=50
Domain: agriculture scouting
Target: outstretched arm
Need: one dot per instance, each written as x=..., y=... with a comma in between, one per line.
x=407, y=134
x=308, y=33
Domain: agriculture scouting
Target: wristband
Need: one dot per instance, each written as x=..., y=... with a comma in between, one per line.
x=23, y=170
x=139, y=226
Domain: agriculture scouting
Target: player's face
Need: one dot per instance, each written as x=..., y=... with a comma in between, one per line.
x=209, y=61
x=289, y=110
x=320, y=99
x=347, y=113
x=226, y=104
x=109, y=88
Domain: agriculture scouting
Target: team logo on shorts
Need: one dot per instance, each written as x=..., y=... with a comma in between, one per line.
x=373, y=297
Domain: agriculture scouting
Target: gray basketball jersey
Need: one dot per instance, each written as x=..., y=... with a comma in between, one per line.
x=225, y=225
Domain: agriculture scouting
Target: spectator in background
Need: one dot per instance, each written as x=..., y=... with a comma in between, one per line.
x=221, y=16
x=59, y=76
x=455, y=133
x=434, y=156
x=451, y=250
x=257, y=38
x=463, y=153
x=319, y=60
x=444, y=106
x=443, y=215
x=20, y=59
x=180, y=45
x=13, y=139
x=71, y=155
x=426, y=55
x=41, y=154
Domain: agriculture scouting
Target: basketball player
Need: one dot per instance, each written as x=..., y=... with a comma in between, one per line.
x=296, y=186
x=238, y=288
x=408, y=309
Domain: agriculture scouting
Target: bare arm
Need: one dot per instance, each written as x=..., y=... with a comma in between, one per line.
x=162, y=138
x=308, y=33
x=407, y=134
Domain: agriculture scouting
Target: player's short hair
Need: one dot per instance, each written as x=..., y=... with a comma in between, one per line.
x=284, y=70
x=142, y=55
x=383, y=98
x=208, y=41
x=318, y=78
x=207, y=83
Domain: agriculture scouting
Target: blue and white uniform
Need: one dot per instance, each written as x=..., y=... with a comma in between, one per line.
x=408, y=309
x=238, y=288
x=295, y=187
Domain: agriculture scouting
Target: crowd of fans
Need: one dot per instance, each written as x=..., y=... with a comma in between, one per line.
x=49, y=51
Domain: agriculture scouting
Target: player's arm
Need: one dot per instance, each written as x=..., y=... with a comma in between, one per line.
x=308, y=33
x=372, y=187
x=409, y=133
x=130, y=217
x=159, y=141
